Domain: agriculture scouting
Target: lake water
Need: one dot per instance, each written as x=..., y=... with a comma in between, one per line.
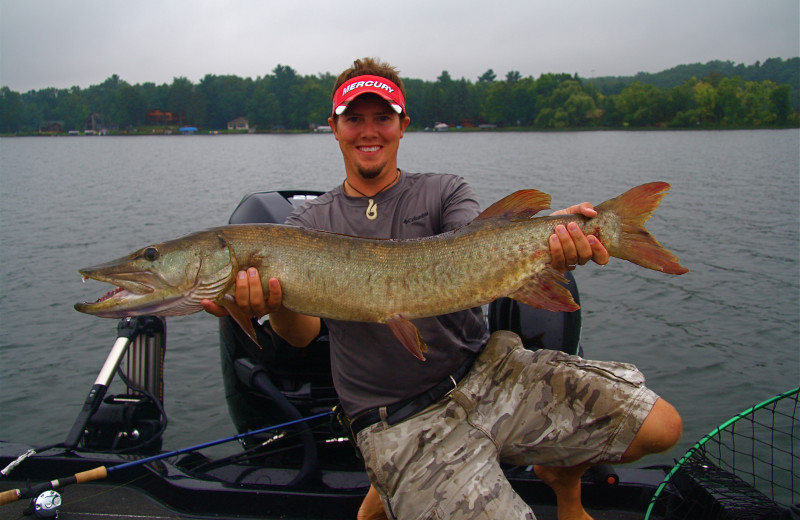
x=713, y=342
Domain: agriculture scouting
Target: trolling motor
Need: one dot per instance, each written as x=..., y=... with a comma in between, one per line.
x=135, y=420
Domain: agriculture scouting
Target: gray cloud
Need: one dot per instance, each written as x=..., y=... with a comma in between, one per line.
x=62, y=44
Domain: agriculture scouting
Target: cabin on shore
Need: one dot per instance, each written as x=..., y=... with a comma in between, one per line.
x=157, y=118
x=240, y=123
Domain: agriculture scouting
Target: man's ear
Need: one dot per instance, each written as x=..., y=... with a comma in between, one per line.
x=403, y=125
x=332, y=124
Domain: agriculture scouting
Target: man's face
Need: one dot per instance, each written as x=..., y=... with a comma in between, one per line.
x=369, y=134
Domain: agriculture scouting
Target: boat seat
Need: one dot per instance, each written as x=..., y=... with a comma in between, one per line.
x=269, y=207
x=539, y=328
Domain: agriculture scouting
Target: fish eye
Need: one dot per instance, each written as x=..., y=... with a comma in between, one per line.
x=151, y=254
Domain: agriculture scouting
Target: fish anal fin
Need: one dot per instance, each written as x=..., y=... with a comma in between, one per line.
x=522, y=204
x=408, y=334
x=241, y=318
x=546, y=291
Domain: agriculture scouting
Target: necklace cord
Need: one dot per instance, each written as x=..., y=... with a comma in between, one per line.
x=396, y=176
x=372, y=208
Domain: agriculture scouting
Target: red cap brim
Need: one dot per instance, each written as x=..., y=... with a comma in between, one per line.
x=351, y=89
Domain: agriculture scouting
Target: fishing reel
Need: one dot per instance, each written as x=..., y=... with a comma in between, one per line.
x=46, y=505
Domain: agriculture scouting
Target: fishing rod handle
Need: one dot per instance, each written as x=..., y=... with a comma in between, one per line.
x=7, y=497
x=12, y=495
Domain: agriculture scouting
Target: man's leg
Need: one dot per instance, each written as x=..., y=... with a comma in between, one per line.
x=372, y=507
x=660, y=431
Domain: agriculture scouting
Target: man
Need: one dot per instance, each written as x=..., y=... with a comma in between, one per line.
x=433, y=433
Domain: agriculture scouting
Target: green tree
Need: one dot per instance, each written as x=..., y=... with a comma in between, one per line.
x=316, y=101
x=463, y=107
x=132, y=107
x=498, y=108
x=185, y=102
x=780, y=103
x=105, y=98
x=729, y=101
x=756, y=103
x=567, y=105
x=641, y=105
x=264, y=109
x=513, y=76
x=73, y=110
x=433, y=107
x=285, y=86
x=225, y=98
x=681, y=105
x=155, y=96
x=487, y=77
x=10, y=111
x=705, y=98
x=524, y=101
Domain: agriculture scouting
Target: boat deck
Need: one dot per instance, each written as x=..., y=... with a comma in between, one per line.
x=113, y=502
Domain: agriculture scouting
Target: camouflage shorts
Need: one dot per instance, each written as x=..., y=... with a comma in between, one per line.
x=515, y=406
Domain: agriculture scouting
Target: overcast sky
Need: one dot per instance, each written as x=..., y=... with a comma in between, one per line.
x=64, y=43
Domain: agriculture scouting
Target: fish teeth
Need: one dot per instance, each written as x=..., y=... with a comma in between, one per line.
x=109, y=294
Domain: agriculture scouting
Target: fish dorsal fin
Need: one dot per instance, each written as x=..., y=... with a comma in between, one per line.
x=522, y=204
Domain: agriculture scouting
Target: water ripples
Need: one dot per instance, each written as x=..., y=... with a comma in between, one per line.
x=714, y=341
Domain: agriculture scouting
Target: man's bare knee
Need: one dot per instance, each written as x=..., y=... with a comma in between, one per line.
x=660, y=431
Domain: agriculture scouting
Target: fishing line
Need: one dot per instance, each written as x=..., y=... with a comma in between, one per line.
x=102, y=472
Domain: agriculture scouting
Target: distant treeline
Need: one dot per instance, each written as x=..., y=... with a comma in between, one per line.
x=712, y=95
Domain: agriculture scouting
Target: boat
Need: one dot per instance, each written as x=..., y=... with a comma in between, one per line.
x=294, y=458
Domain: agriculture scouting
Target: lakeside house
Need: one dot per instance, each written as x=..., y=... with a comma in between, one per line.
x=240, y=123
x=157, y=118
x=52, y=127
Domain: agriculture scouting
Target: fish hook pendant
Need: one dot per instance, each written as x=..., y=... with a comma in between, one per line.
x=372, y=210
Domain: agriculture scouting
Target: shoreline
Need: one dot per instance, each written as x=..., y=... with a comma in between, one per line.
x=411, y=130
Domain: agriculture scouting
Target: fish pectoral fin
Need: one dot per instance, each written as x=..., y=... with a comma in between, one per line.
x=546, y=291
x=408, y=334
x=240, y=317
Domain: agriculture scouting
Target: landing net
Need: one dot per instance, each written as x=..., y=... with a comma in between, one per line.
x=747, y=468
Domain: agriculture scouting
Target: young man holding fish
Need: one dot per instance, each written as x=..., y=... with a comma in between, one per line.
x=433, y=433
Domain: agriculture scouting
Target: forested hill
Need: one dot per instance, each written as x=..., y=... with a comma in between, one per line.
x=719, y=94
x=774, y=69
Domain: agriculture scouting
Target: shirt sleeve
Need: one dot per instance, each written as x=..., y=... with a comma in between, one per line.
x=459, y=203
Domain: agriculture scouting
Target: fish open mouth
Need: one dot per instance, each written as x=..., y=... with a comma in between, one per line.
x=122, y=297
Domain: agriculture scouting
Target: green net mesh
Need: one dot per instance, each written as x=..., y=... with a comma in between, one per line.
x=748, y=468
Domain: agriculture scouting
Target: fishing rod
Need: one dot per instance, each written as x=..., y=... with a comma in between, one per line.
x=102, y=472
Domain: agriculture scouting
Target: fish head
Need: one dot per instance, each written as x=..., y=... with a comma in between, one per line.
x=167, y=279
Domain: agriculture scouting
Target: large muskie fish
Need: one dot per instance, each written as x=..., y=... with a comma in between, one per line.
x=503, y=252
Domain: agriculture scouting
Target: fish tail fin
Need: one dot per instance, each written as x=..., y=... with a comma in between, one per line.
x=636, y=244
